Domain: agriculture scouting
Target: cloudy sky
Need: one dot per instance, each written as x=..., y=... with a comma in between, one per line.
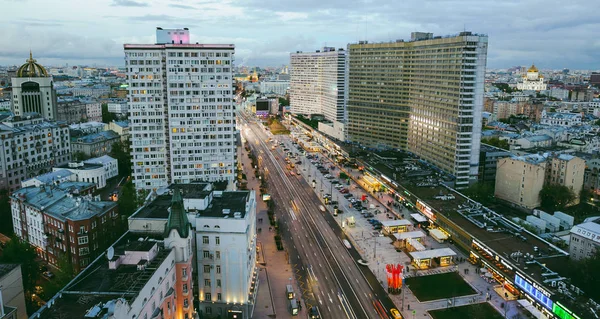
x=553, y=34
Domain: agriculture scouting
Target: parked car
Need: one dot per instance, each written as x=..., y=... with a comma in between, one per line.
x=348, y=195
x=335, y=182
x=48, y=274
x=345, y=191
x=333, y=202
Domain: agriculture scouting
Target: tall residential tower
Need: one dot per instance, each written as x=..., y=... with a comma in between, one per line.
x=317, y=83
x=423, y=95
x=181, y=110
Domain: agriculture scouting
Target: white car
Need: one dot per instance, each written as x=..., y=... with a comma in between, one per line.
x=327, y=176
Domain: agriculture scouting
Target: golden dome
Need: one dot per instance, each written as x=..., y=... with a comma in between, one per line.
x=532, y=69
x=31, y=69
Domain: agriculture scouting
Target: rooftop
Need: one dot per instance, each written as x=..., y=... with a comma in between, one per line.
x=50, y=177
x=7, y=268
x=157, y=209
x=96, y=137
x=100, y=160
x=82, y=166
x=193, y=190
x=234, y=202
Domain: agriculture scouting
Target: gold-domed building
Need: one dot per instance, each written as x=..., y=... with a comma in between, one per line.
x=33, y=91
x=532, y=81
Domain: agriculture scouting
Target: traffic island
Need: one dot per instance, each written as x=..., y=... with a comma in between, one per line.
x=475, y=311
x=440, y=286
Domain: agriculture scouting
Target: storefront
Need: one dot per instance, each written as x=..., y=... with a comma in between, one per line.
x=438, y=234
x=411, y=241
x=432, y=258
x=395, y=226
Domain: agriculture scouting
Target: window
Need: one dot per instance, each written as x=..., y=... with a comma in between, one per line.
x=218, y=240
x=184, y=272
x=207, y=297
x=206, y=269
x=218, y=269
x=84, y=251
x=82, y=240
x=186, y=302
x=218, y=254
x=208, y=310
x=81, y=229
x=185, y=288
x=206, y=254
x=207, y=282
x=218, y=282
x=205, y=240
x=219, y=296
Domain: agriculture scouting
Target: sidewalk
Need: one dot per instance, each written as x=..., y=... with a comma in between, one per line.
x=274, y=271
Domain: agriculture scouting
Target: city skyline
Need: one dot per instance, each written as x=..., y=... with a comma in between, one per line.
x=552, y=36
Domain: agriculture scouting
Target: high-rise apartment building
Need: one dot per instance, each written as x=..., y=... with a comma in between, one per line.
x=423, y=95
x=317, y=83
x=181, y=110
x=33, y=91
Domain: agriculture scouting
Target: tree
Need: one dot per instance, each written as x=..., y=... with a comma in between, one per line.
x=107, y=117
x=62, y=276
x=584, y=275
x=6, y=225
x=597, y=122
x=556, y=197
x=127, y=200
x=283, y=101
x=120, y=152
x=481, y=192
x=79, y=156
x=497, y=142
x=20, y=252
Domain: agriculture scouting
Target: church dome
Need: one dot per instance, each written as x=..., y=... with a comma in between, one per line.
x=533, y=69
x=31, y=69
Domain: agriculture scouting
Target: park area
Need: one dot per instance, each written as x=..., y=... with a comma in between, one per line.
x=276, y=127
x=439, y=286
x=475, y=311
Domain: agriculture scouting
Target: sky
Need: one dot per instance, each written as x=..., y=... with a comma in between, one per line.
x=551, y=34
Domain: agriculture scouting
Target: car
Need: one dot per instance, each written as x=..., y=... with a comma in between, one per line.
x=299, y=162
x=348, y=196
x=345, y=191
x=48, y=274
x=352, y=200
x=329, y=176
x=335, y=182
x=369, y=215
x=362, y=262
x=333, y=202
x=377, y=227
x=314, y=313
x=395, y=313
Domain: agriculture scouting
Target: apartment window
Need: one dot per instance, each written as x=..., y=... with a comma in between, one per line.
x=218, y=282
x=185, y=288
x=84, y=251
x=208, y=310
x=206, y=254
x=219, y=296
x=207, y=282
x=207, y=297
x=218, y=240
x=206, y=269
x=82, y=240
x=81, y=229
x=218, y=254
x=205, y=240
x=218, y=269
x=184, y=272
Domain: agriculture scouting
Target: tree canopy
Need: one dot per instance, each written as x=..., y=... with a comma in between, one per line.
x=497, y=142
x=556, y=197
x=20, y=252
x=6, y=225
x=107, y=117
x=120, y=152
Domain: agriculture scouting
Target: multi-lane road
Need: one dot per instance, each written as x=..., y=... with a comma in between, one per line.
x=333, y=280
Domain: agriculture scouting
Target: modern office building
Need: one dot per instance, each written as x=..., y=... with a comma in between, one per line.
x=424, y=95
x=181, y=110
x=317, y=83
x=30, y=146
x=33, y=91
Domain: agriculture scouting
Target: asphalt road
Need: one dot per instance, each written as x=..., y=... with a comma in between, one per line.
x=328, y=271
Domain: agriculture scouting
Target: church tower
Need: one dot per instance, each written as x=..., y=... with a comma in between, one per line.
x=33, y=91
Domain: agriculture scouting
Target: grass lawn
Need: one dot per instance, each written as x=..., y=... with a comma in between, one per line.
x=476, y=311
x=277, y=128
x=440, y=286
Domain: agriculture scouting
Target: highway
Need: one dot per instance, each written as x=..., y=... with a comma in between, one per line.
x=333, y=281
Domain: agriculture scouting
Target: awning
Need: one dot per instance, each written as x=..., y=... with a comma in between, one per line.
x=409, y=234
x=436, y=233
x=415, y=244
x=529, y=307
x=419, y=218
x=395, y=223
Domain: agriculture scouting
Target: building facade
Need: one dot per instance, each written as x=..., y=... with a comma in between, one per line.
x=62, y=222
x=403, y=96
x=29, y=147
x=488, y=160
x=182, y=119
x=33, y=91
x=274, y=87
x=96, y=144
x=93, y=111
x=519, y=180
x=317, y=83
x=565, y=119
x=71, y=111
x=584, y=239
x=95, y=170
x=567, y=170
x=12, y=300
x=117, y=108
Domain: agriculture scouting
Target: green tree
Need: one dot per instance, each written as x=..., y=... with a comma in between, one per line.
x=597, y=122
x=556, y=197
x=120, y=152
x=481, y=192
x=20, y=252
x=584, y=275
x=79, y=156
x=283, y=101
x=127, y=200
x=107, y=117
x=6, y=225
x=497, y=142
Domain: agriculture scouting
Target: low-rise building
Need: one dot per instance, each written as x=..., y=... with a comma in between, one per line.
x=118, y=108
x=566, y=170
x=534, y=141
x=561, y=118
x=12, y=299
x=120, y=127
x=71, y=111
x=585, y=239
x=62, y=221
x=51, y=178
x=86, y=128
x=30, y=146
x=96, y=170
x=93, y=111
x=519, y=180
x=96, y=144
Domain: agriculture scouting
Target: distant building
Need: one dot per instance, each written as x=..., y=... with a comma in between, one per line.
x=95, y=170
x=55, y=177
x=561, y=118
x=595, y=79
x=591, y=180
x=71, y=111
x=317, y=83
x=33, y=91
x=488, y=160
x=118, y=108
x=96, y=144
x=566, y=170
x=64, y=221
x=274, y=87
x=519, y=180
x=86, y=128
x=30, y=146
x=12, y=300
x=120, y=127
x=93, y=111
x=534, y=141
x=266, y=106
x=585, y=239
x=532, y=81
